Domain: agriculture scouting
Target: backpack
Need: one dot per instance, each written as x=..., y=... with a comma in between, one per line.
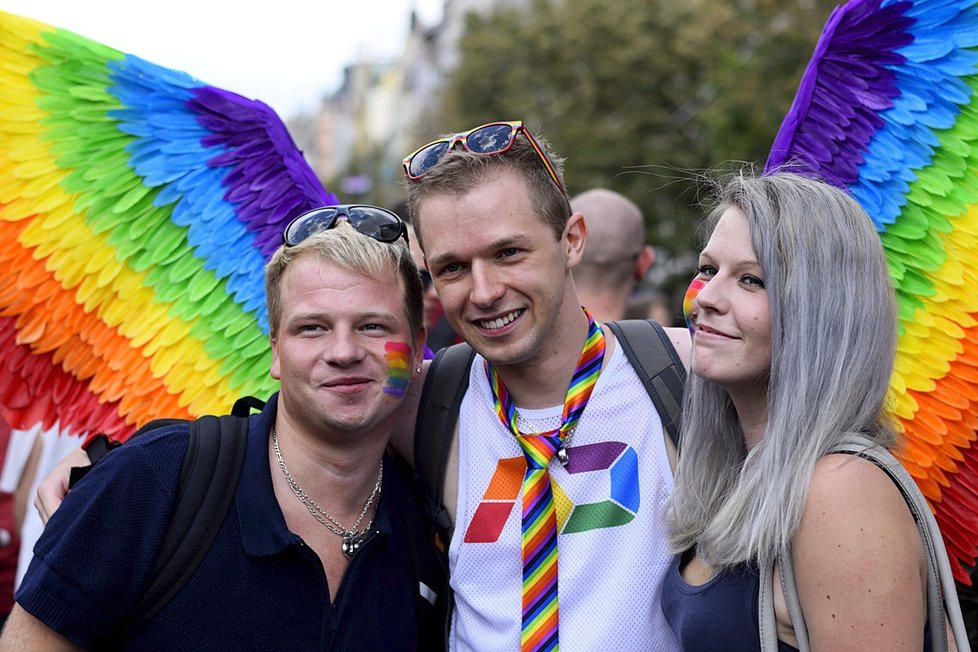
x=208, y=480
x=644, y=343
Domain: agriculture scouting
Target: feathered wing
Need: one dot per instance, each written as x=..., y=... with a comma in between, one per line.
x=888, y=109
x=137, y=209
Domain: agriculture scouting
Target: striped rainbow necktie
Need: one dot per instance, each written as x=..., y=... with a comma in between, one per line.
x=540, y=630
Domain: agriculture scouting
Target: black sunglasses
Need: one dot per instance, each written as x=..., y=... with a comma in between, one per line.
x=371, y=221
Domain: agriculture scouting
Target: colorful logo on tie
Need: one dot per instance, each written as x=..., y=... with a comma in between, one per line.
x=619, y=459
x=398, y=370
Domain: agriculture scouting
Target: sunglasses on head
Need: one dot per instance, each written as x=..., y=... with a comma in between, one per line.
x=371, y=221
x=488, y=139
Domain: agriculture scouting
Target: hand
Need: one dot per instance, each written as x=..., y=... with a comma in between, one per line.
x=54, y=488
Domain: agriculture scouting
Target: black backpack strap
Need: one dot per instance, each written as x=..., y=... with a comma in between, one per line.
x=429, y=565
x=208, y=480
x=244, y=405
x=654, y=358
x=100, y=446
x=441, y=396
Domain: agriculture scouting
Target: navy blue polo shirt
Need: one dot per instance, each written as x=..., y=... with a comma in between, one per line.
x=258, y=588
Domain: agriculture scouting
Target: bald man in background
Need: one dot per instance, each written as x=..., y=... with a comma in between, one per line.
x=615, y=256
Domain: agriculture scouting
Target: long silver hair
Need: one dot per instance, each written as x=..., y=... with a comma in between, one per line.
x=833, y=341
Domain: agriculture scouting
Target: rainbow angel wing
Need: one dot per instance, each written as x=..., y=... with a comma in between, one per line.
x=137, y=209
x=888, y=108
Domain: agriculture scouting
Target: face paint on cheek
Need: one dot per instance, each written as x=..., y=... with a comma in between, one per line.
x=691, y=292
x=398, y=369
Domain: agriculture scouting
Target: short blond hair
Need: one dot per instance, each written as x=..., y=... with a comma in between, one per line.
x=344, y=247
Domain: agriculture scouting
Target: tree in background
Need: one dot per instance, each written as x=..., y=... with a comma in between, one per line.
x=640, y=95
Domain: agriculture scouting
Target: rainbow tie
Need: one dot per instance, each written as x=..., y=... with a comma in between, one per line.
x=541, y=619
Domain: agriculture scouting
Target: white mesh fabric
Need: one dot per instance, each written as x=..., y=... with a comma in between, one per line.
x=609, y=577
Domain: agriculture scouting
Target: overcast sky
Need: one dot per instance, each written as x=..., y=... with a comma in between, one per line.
x=286, y=53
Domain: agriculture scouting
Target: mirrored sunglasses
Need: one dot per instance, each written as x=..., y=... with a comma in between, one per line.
x=488, y=139
x=371, y=221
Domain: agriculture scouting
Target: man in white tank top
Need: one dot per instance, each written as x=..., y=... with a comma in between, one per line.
x=500, y=241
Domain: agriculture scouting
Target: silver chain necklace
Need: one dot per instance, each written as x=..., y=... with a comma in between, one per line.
x=353, y=537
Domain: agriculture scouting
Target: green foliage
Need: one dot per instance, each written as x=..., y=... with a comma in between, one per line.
x=640, y=95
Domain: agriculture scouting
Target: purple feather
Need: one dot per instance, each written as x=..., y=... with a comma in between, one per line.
x=268, y=181
x=852, y=85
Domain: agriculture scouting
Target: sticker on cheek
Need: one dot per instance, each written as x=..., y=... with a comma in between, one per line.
x=398, y=369
x=691, y=292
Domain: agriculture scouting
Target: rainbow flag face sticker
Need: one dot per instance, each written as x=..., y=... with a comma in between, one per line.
x=398, y=369
x=691, y=292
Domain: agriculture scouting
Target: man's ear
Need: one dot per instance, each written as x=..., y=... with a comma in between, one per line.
x=644, y=261
x=417, y=357
x=275, y=371
x=574, y=237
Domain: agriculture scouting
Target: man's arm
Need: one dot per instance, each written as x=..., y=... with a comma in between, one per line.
x=54, y=487
x=23, y=633
x=81, y=590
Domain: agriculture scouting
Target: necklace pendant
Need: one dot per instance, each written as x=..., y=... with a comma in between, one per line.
x=351, y=543
x=562, y=456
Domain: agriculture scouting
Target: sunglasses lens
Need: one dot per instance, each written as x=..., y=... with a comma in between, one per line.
x=375, y=223
x=490, y=139
x=427, y=159
x=308, y=224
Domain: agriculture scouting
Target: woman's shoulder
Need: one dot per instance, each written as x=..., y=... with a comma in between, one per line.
x=856, y=521
x=850, y=490
x=849, y=470
x=859, y=558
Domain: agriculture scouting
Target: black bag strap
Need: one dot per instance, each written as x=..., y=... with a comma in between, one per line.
x=441, y=396
x=208, y=479
x=244, y=405
x=429, y=570
x=658, y=366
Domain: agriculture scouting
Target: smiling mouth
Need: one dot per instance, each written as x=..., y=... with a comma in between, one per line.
x=493, y=324
x=706, y=330
x=346, y=383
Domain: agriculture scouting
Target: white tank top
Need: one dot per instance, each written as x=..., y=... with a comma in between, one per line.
x=612, y=549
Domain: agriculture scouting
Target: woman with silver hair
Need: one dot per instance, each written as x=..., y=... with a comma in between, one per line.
x=794, y=334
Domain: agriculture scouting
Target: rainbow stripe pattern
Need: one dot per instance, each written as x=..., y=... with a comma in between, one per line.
x=138, y=207
x=540, y=611
x=398, y=368
x=887, y=109
x=691, y=292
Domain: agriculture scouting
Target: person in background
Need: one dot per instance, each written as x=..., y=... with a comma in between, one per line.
x=794, y=336
x=616, y=256
x=647, y=302
x=9, y=538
